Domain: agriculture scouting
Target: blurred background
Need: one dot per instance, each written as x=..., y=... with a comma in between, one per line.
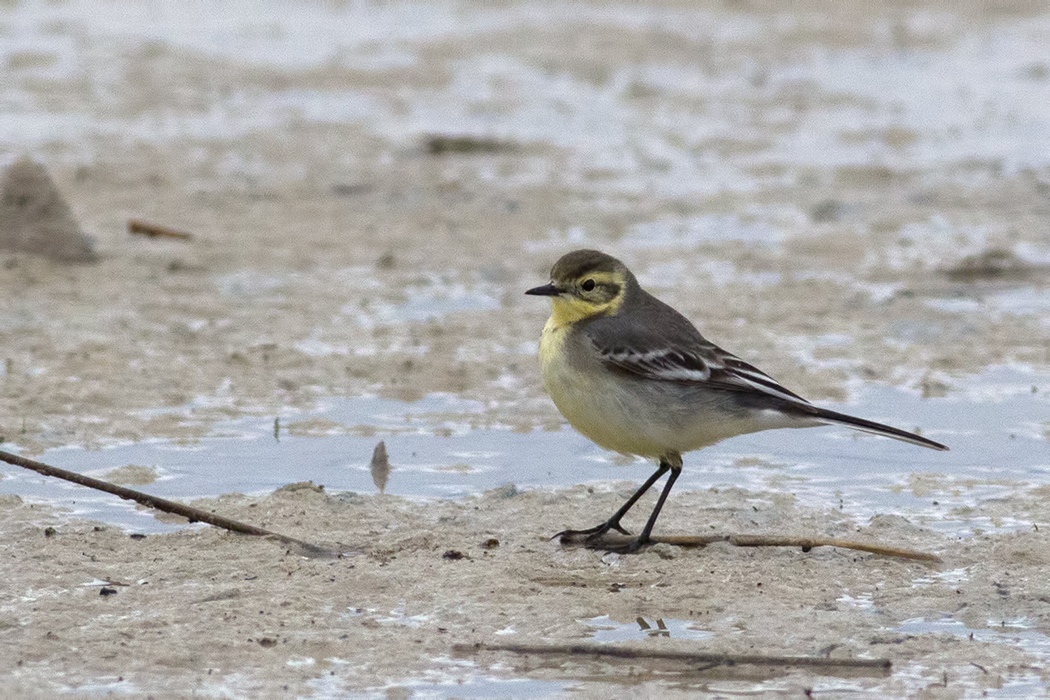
x=347, y=199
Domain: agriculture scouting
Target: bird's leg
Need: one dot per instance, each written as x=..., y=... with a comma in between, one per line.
x=613, y=523
x=644, y=538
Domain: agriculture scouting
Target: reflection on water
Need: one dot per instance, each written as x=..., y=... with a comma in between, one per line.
x=441, y=447
x=605, y=629
x=998, y=632
x=1024, y=682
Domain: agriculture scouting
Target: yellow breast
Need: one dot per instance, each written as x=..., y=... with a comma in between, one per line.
x=587, y=398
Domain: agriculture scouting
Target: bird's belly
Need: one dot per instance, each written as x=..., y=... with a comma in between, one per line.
x=597, y=406
x=638, y=416
x=594, y=411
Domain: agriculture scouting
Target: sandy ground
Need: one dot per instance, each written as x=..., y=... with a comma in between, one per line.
x=312, y=237
x=212, y=613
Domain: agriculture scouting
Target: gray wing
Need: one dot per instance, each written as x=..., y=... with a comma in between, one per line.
x=676, y=352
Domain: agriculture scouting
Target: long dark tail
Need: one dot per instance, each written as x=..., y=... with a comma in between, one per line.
x=872, y=427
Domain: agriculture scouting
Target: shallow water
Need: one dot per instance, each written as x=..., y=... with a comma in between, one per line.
x=995, y=425
x=890, y=105
x=606, y=629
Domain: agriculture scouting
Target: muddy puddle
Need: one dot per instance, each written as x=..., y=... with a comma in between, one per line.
x=995, y=425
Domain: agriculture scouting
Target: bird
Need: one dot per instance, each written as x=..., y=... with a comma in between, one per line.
x=635, y=376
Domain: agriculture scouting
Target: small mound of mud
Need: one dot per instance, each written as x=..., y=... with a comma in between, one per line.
x=991, y=264
x=34, y=218
x=132, y=475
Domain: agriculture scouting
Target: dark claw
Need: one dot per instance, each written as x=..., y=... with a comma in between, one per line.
x=569, y=534
x=566, y=536
x=594, y=538
x=592, y=534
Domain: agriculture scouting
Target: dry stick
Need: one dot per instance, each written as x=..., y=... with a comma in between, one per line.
x=709, y=660
x=616, y=541
x=145, y=228
x=808, y=543
x=163, y=504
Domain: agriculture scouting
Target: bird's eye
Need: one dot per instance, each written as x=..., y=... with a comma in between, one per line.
x=587, y=286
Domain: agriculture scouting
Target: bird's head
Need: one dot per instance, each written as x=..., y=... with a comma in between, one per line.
x=586, y=283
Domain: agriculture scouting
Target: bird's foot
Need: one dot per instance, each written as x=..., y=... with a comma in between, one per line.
x=601, y=538
x=591, y=535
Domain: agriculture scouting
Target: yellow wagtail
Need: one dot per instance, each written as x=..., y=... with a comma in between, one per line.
x=635, y=376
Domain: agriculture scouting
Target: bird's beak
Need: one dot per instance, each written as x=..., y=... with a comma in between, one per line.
x=547, y=290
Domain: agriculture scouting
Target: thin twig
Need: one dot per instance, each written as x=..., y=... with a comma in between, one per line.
x=614, y=541
x=709, y=660
x=808, y=543
x=189, y=512
x=145, y=228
